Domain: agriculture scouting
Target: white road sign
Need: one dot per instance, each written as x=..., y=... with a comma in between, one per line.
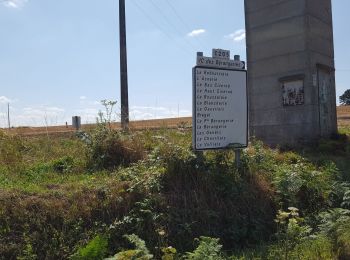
x=220, y=111
x=220, y=63
x=221, y=54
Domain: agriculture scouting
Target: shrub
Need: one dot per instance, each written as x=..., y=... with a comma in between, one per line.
x=11, y=152
x=343, y=235
x=304, y=186
x=63, y=165
x=206, y=196
x=289, y=233
x=338, y=144
x=168, y=196
x=309, y=248
x=318, y=248
x=340, y=195
x=183, y=195
x=96, y=249
x=140, y=252
x=108, y=149
x=208, y=248
x=51, y=226
x=146, y=220
x=335, y=224
x=169, y=253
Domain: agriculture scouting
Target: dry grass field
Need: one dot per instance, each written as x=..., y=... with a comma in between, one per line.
x=137, y=125
x=343, y=116
x=343, y=121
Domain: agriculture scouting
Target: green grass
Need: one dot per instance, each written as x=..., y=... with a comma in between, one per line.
x=65, y=197
x=344, y=130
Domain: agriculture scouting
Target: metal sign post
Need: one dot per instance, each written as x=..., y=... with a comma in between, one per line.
x=238, y=157
x=237, y=148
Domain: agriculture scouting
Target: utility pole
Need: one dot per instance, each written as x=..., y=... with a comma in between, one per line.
x=8, y=115
x=124, y=98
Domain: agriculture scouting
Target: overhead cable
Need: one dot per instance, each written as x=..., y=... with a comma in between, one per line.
x=170, y=23
x=171, y=38
x=183, y=21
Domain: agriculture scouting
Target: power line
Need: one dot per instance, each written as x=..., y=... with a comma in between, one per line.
x=170, y=23
x=183, y=21
x=171, y=38
x=178, y=15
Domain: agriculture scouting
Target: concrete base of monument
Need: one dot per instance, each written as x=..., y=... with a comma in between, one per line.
x=288, y=136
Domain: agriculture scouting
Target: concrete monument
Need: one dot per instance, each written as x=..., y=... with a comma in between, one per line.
x=290, y=60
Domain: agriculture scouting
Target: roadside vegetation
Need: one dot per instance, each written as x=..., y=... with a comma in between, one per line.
x=147, y=195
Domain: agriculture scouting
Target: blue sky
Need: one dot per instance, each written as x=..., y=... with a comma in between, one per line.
x=60, y=58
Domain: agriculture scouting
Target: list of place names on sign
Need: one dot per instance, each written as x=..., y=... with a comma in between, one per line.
x=220, y=108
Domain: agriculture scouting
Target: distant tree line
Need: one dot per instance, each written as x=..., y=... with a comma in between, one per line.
x=345, y=98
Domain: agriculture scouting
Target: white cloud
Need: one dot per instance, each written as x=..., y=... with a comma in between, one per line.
x=149, y=108
x=88, y=115
x=40, y=115
x=43, y=112
x=4, y=100
x=237, y=36
x=14, y=3
x=90, y=111
x=85, y=102
x=196, y=33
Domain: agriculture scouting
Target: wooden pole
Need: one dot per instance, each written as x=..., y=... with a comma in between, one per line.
x=124, y=98
x=8, y=115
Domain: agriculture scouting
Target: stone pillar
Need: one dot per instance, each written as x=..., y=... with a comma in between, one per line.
x=290, y=60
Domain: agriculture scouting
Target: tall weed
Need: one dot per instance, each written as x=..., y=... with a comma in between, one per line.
x=109, y=149
x=96, y=249
x=11, y=152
